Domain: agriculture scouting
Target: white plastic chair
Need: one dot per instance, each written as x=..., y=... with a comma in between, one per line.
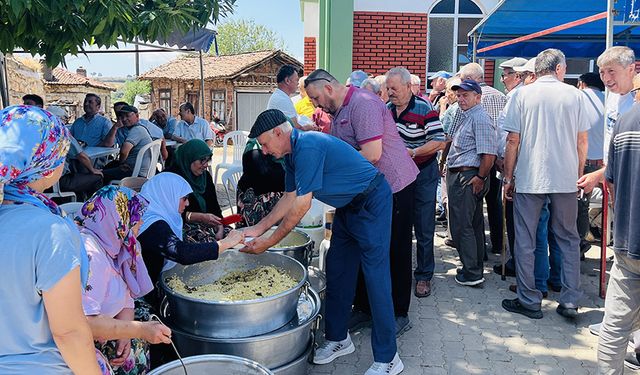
x=56, y=193
x=239, y=139
x=154, y=149
x=72, y=208
x=230, y=179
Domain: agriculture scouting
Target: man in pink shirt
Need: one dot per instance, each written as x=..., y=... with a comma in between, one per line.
x=362, y=120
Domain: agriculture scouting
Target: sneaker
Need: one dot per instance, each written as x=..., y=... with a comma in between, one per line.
x=449, y=242
x=595, y=329
x=514, y=306
x=463, y=280
x=392, y=368
x=422, y=289
x=403, y=324
x=331, y=350
x=567, y=312
x=632, y=361
x=442, y=234
x=358, y=320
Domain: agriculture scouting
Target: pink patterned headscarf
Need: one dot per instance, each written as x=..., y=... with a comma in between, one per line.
x=109, y=216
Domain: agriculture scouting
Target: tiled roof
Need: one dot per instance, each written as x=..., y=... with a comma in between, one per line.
x=62, y=76
x=227, y=66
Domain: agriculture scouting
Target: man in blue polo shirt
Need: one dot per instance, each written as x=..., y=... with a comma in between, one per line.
x=91, y=129
x=336, y=174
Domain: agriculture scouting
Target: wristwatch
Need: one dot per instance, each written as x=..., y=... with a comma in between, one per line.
x=482, y=178
x=506, y=181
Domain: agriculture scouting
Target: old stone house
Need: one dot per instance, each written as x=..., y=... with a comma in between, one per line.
x=236, y=87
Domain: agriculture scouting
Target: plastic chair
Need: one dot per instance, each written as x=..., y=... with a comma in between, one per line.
x=133, y=183
x=230, y=179
x=72, y=208
x=56, y=193
x=154, y=149
x=239, y=139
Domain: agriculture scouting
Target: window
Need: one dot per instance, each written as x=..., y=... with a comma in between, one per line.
x=449, y=23
x=193, y=98
x=218, y=105
x=165, y=100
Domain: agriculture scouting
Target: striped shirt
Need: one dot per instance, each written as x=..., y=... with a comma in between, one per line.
x=417, y=125
x=476, y=135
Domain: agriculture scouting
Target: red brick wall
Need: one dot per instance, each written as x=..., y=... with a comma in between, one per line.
x=383, y=40
x=309, y=54
x=489, y=71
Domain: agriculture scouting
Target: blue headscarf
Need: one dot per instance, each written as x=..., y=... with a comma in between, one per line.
x=33, y=143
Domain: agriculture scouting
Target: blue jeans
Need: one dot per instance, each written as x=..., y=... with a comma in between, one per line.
x=425, y=221
x=547, y=254
x=361, y=236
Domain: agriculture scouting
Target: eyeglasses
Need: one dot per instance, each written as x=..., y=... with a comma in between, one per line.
x=309, y=80
x=506, y=74
x=204, y=160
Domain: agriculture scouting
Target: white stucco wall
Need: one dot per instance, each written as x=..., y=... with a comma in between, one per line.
x=410, y=6
x=311, y=20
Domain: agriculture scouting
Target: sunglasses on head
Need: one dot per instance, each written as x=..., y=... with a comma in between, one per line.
x=310, y=80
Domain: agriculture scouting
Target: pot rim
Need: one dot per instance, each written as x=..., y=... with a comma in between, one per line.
x=266, y=336
x=169, y=291
x=293, y=248
x=207, y=357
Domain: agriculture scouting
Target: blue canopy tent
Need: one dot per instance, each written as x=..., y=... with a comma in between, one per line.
x=578, y=28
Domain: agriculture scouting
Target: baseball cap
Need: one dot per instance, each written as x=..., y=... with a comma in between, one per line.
x=530, y=66
x=266, y=121
x=442, y=73
x=128, y=109
x=468, y=85
x=514, y=62
x=357, y=77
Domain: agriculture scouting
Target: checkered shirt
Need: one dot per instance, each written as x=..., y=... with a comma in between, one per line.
x=493, y=102
x=475, y=135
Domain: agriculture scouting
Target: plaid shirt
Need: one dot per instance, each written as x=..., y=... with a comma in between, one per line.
x=475, y=135
x=493, y=102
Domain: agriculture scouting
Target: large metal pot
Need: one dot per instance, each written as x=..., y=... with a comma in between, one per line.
x=297, y=245
x=273, y=349
x=298, y=366
x=318, y=281
x=213, y=364
x=232, y=319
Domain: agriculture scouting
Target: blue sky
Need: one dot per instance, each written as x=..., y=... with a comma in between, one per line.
x=282, y=16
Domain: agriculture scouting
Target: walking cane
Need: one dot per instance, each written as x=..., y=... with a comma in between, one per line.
x=504, y=236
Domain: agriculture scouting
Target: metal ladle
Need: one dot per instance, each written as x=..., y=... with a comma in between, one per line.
x=156, y=318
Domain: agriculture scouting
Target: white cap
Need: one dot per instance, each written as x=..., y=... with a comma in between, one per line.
x=530, y=66
x=512, y=63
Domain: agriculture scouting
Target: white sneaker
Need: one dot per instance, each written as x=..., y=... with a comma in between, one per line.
x=392, y=368
x=331, y=350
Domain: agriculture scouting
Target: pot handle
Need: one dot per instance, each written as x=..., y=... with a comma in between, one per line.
x=164, y=307
x=310, y=252
x=314, y=332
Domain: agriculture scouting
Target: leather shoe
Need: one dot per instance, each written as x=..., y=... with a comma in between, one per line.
x=514, y=288
x=555, y=288
x=567, y=312
x=514, y=306
x=423, y=288
x=507, y=271
x=449, y=242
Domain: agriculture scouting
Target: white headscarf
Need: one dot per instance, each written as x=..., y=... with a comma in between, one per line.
x=163, y=192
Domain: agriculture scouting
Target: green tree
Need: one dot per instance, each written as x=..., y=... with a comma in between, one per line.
x=56, y=28
x=238, y=36
x=128, y=91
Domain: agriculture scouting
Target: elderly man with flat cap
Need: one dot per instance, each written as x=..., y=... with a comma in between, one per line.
x=321, y=166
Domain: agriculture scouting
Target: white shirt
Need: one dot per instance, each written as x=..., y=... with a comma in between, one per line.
x=198, y=130
x=548, y=115
x=616, y=106
x=595, y=116
x=280, y=100
x=502, y=142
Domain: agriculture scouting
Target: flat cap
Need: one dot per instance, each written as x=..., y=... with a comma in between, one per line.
x=128, y=109
x=530, y=66
x=512, y=63
x=267, y=120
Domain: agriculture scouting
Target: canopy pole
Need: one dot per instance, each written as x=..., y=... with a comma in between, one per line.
x=475, y=47
x=201, y=106
x=137, y=60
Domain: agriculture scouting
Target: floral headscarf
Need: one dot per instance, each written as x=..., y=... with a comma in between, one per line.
x=108, y=216
x=33, y=143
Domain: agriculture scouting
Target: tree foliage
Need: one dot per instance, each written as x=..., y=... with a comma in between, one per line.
x=54, y=28
x=238, y=36
x=128, y=91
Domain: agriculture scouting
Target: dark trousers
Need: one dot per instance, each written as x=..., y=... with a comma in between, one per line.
x=83, y=184
x=116, y=171
x=467, y=222
x=425, y=221
x=399, y=254
x=583, y=209
x=494, y=210
x=360, y=236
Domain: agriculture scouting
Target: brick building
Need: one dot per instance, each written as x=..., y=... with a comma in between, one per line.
x=236, y=87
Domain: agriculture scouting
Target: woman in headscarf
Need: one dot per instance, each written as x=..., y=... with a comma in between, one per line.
x=161, y=233
x=110, y=221
x=261, y=184
x=44, y=330
x=202, y=216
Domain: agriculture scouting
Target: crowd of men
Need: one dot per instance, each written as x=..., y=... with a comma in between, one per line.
x=541, y=149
